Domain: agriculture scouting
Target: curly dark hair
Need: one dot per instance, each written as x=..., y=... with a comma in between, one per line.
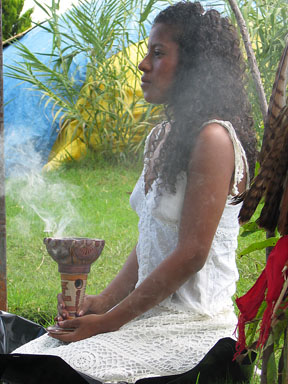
x=209, y=84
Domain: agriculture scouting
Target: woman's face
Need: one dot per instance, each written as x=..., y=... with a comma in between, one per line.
x=159, y=65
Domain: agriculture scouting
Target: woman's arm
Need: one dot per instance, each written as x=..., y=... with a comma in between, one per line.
x=210, y=171
x=123, y=284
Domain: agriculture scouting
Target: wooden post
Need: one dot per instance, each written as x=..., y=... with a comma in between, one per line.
x=3, y=274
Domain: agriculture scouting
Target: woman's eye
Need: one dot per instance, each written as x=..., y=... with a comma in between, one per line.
x=158, y=53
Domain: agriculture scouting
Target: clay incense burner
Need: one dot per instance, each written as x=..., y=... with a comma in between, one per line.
x=74, y=257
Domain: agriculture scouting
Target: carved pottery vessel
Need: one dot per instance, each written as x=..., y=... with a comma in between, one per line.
x=74, y=257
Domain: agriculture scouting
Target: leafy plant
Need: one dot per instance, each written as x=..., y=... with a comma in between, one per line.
x=267, y=24
x=106, y=112
x=12, y=21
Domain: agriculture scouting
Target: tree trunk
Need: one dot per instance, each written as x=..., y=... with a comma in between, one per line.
x=266, y=355
x=251, y=58
x=3, y=275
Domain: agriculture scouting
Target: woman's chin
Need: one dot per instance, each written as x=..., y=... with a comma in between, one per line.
x=152, y=99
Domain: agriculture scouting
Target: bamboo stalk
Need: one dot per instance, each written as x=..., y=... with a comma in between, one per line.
x=251, y=58
x=3, y=273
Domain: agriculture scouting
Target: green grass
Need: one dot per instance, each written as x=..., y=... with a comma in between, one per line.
x=96, y=197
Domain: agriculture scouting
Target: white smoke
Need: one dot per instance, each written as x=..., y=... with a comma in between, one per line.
x=51, y=201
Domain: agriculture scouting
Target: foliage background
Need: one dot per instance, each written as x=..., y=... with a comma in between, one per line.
x=267, y=24
x=12, y=22
x=106, y=111
x=74, y=34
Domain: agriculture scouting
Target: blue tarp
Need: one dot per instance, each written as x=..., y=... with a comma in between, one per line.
x=29, y=132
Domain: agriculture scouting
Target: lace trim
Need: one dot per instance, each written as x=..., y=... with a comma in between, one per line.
x=159, y=128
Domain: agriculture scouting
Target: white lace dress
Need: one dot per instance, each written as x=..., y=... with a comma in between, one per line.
x=175, y=335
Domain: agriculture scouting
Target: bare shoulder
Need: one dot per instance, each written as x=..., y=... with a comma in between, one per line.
x=213, y=139
x=213, y=151
x=213, y=158
x=215, y=134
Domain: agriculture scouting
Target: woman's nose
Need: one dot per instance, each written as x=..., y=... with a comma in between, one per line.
x=144, y=64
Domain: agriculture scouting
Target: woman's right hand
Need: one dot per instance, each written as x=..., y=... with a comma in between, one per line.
x=92, y=304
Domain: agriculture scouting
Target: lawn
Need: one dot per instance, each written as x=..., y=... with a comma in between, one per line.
x=88, y=200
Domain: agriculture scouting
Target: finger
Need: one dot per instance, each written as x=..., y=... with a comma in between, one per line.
x=81, y=310
x=61, y=307
x=60, y=300
x=66, y=337
x=61, y=317
x=74, y=323
x=84, y=307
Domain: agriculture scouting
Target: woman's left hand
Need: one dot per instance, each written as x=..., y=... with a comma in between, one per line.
x=86, y=326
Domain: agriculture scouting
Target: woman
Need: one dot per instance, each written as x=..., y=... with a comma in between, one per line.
x=171, y=301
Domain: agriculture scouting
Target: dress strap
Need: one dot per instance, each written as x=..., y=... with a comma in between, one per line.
x=241, y=163
x=154, y=134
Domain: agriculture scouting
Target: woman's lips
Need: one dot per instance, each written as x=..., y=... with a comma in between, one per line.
x=144, y=82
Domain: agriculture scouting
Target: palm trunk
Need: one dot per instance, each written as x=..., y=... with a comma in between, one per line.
x=251, y=57
x=3, y=276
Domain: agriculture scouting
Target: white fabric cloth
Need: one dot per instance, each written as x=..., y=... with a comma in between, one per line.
x=175, y=335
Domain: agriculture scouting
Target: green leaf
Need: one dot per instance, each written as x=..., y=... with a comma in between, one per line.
x=44, y=8
x=253, y=325
x=272, y=369
x=259, y=245
x=249, y=228
x=146, y=11
x=279, y=328
x=257, y=167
